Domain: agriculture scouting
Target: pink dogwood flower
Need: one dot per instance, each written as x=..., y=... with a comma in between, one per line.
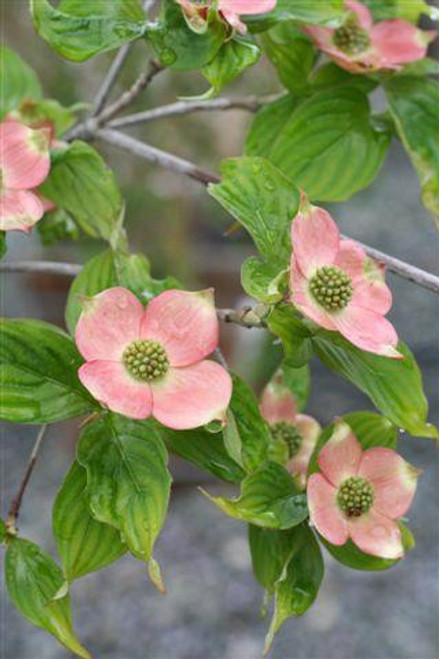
x=361, y=46
x=299, y=432
x=197, y=12
x=334, y=283
x=24, y=164
x=150, y=361
x=360, y=494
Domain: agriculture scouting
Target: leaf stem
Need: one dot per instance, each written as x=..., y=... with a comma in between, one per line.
x=15, y=506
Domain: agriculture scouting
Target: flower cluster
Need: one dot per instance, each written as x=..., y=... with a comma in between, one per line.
x=24, y=164
x=335, y=284
x=361, y=46
x=150, y=361
x=230, y=10
x=360, y=494
x=299, y=432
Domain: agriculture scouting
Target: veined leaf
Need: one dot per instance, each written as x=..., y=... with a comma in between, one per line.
x=38, y=374
x=383, y=10
x=268, y=498
x=81, y=183
x=234, y=56
x=84, y=544
x=292, y=53
x=18, y=81
x=96, y=276
x=299, y=582
x=127, y=479
x=178, y=46
x=263, y=281
x=314, y=12
x=414, y=103
x=246, y=435
x=77, y=30
x=205, y=450
x=32, y=580
x=263, y=200
x=394, y=386
x=329, y=146
x=295, y=336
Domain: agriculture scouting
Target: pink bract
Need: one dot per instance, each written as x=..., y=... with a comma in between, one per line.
x=24, y=164
x=171, y=337
x=387, y=44
x=278, y=406
x=334, y=283
x=384, y=480
x=230, y=10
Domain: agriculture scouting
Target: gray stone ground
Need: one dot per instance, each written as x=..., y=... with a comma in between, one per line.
x=211, y=610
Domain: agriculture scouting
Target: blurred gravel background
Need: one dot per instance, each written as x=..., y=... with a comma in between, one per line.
x=212, y=607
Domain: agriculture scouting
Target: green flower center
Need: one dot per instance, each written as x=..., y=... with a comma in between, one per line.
x=355, y=496
x=146, y=360
x=289, y=435
x=351, y=38
x=331, y=287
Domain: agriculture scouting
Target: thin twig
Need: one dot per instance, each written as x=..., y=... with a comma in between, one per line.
x=42, y=267
x=115, y=68
x=132, y=93
x=111, y=77
x=181, y=108
x=15, y=506
x=174, y=163
x=155, y=156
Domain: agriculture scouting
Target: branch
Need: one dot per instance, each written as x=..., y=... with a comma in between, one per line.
x=155, y=156
x=132, y=93
x=169, y=161
x=15, y=506
x=43, y=267
x=116, y=67
x=247, y=103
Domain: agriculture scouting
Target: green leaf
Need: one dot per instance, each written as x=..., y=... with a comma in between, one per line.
x=330, y=75
x=297, y=380
x=413, y=103
x=77, y=30
x=295, y=336
x=2, y=530
x=263, y=281
x=18, y=81
x=96, y=276
x=234, y=56
x=394, y=386
x=81, y=184
x=246, y=435
x=268, y=498
x=422, y=67
x=205, y=450
x=298, y=585
x=84, y=544
x=178, y=46
x=292, y=54
x=263, y=200
x=329, y=146
x=38, y=374
x=56, y=225
x=387, y=9
x=128, y=482
x=32, y=580
x=3, y=245
x=268, y=123
x=314, y=12
x=270, y=550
